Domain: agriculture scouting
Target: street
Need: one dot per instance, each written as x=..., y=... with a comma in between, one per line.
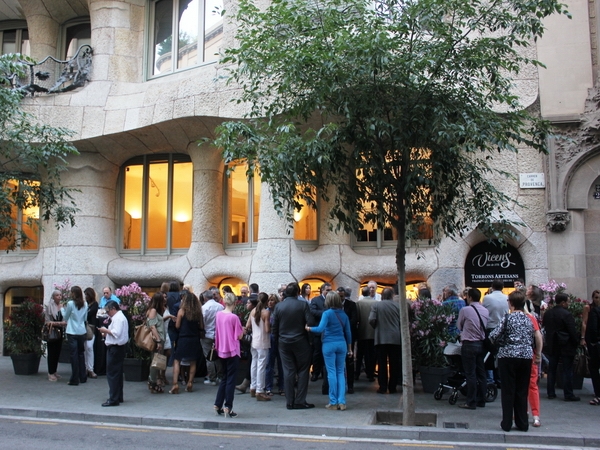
x=24, y=434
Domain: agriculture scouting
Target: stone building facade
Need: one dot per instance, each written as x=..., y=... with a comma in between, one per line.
x=135, y=115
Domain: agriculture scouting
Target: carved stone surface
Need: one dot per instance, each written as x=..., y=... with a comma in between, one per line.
x=558, y=220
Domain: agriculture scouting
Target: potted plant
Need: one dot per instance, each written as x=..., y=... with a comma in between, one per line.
x=429, y=335
x=23, y=337
x=134, y=304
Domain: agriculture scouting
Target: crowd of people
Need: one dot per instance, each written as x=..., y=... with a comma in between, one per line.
x=289, y=333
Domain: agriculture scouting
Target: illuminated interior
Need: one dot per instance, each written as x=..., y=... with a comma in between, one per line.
x=240, y=209
x=26, y=222
x=305, y=223
x=156, y=203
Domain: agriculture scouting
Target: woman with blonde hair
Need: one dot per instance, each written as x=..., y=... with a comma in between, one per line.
x=190, y=326
x=228, y=333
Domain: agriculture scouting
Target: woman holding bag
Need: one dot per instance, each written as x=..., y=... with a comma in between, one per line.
x=154, y=321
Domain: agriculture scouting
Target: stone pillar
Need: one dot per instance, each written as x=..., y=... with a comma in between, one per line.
x=43, y=29
x=117, y=39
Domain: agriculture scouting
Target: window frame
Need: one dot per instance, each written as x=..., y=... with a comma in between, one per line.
x=150, y=44
x=17, y=25
x=19, y=228
x=145, y=161
x=62, y=45
x=250, y=244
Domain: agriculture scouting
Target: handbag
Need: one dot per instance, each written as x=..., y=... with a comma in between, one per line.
x=51, y=333
x=212, y=354
x=581, y=362
x=143, y=338
x=488, y=345
x=159, y=362
x=502, y=339
x=90, y=331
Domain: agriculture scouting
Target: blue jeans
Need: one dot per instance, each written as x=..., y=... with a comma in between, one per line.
x=270, y=373
x=77, y=357
x=472, y=354
x=226, y=389
x=334, y=354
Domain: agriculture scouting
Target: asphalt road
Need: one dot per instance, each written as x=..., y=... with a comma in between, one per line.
x=22, y=434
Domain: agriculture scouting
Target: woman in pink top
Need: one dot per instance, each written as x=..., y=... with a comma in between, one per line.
x=228, y=333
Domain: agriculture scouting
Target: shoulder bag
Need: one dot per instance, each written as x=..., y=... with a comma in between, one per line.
x=143, y=338
x=488, y=345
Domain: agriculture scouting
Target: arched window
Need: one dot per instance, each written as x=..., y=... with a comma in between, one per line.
x=242, y=202
x=14, y=37
x=198, y=27
x=156, y=212
x=75, y=33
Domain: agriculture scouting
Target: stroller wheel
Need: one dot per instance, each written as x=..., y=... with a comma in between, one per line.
x=491, y=392
x=438, y=393
x=453, y=398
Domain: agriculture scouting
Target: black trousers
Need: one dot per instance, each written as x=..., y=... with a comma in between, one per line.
x=389, y=354
x=365, y=349
x=77, y=358
x=515, y=374
x=295, y=359
x=115, y=356
x=54, y=348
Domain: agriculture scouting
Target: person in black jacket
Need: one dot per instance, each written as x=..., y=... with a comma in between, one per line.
x=561, y=343
x=592, y=338
x=352, y=312
x=317, y=306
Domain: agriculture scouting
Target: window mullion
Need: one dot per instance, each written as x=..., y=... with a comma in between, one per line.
x=170, y=205
x=145, y=188
x=175, y=37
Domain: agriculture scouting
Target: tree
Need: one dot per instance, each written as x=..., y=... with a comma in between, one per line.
x=32, y=158
x=396, y=105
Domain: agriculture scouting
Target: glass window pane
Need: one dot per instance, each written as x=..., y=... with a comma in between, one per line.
x=156, y=222
x=213, y=29
x=25, y=48
x=9, y=41
x=237, y=188
x=181, y=225
x=256, y=205
x=187, y=52
x=305, y=223
x=132, y=217
x=163, y=37
x=77, y=35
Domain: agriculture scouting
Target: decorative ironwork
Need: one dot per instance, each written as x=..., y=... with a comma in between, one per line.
x=54, y=76
x=558, y=220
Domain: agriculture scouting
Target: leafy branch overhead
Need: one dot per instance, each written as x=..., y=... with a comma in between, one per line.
x=32, y=158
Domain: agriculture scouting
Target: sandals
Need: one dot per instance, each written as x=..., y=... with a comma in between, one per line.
x=229, y=413
x=155, y=388
x=595, y=401
x=536, y=422
x=218, y=411
x=174, y=389
x=189, y=387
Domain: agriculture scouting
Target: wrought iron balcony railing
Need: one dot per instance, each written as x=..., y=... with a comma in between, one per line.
x=53, y=76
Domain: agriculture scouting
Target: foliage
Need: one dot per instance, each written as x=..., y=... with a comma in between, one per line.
x=23, y=329
x=134, y=304
x=64, y=288
x=32, y=158
x=429, y=333
x=391, y=110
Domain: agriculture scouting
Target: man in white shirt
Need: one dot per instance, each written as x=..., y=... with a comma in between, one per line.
x=116, y=337
x=209, y=311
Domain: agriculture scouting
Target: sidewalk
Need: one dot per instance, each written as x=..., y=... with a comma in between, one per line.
x=563, y=423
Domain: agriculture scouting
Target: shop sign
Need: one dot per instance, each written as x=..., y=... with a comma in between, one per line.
x=489, y=260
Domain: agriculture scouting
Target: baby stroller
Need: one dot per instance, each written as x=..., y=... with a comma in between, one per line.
x=457, y=382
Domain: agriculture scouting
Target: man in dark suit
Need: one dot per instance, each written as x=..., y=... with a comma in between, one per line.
x=561, y=343
x=289, y=320
x=317, y=306
x=352, y=313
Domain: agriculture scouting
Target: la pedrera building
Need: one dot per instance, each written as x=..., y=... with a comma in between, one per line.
x=155, y=206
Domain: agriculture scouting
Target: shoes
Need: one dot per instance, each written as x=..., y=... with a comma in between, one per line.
x=393, y=391
x=219, y=411
x=282, y=392
x=189, y=387
x=244, y=386
x=288, y=406
x=551, y=396
x=58, y=377
x=72, y=384
x=481, y=405
x=253, y=393
x=269, y=393
x=381, y=391
x=210, y=383
x=466, y=406
x=260, y=397
x=342, y=407
x=229, y=413
x=91, y=374
x=174, y=389
x=536, y=422
x=572, y=399
x=304, y=406
x=53, y=378
x=331, y=407
x=595, y=401
x=109, y=403
x=505, y=428
x=350, y=390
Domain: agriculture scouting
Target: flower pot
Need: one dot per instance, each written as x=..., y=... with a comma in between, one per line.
x=27, y=364
x=136, y=369
x=431, y=377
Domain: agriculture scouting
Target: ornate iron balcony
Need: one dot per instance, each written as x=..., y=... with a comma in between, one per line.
x=54, y=76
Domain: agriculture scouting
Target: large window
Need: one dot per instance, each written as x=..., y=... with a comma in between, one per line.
x=197, y=26
x=242, y=206
x=157, y=204
x=22, y=225
x=14, y=37
x=305, y=223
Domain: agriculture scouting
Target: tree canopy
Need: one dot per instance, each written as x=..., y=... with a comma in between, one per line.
x=32, y=158
x=395, y=108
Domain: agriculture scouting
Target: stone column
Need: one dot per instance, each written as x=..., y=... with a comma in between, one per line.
x=43, y=29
